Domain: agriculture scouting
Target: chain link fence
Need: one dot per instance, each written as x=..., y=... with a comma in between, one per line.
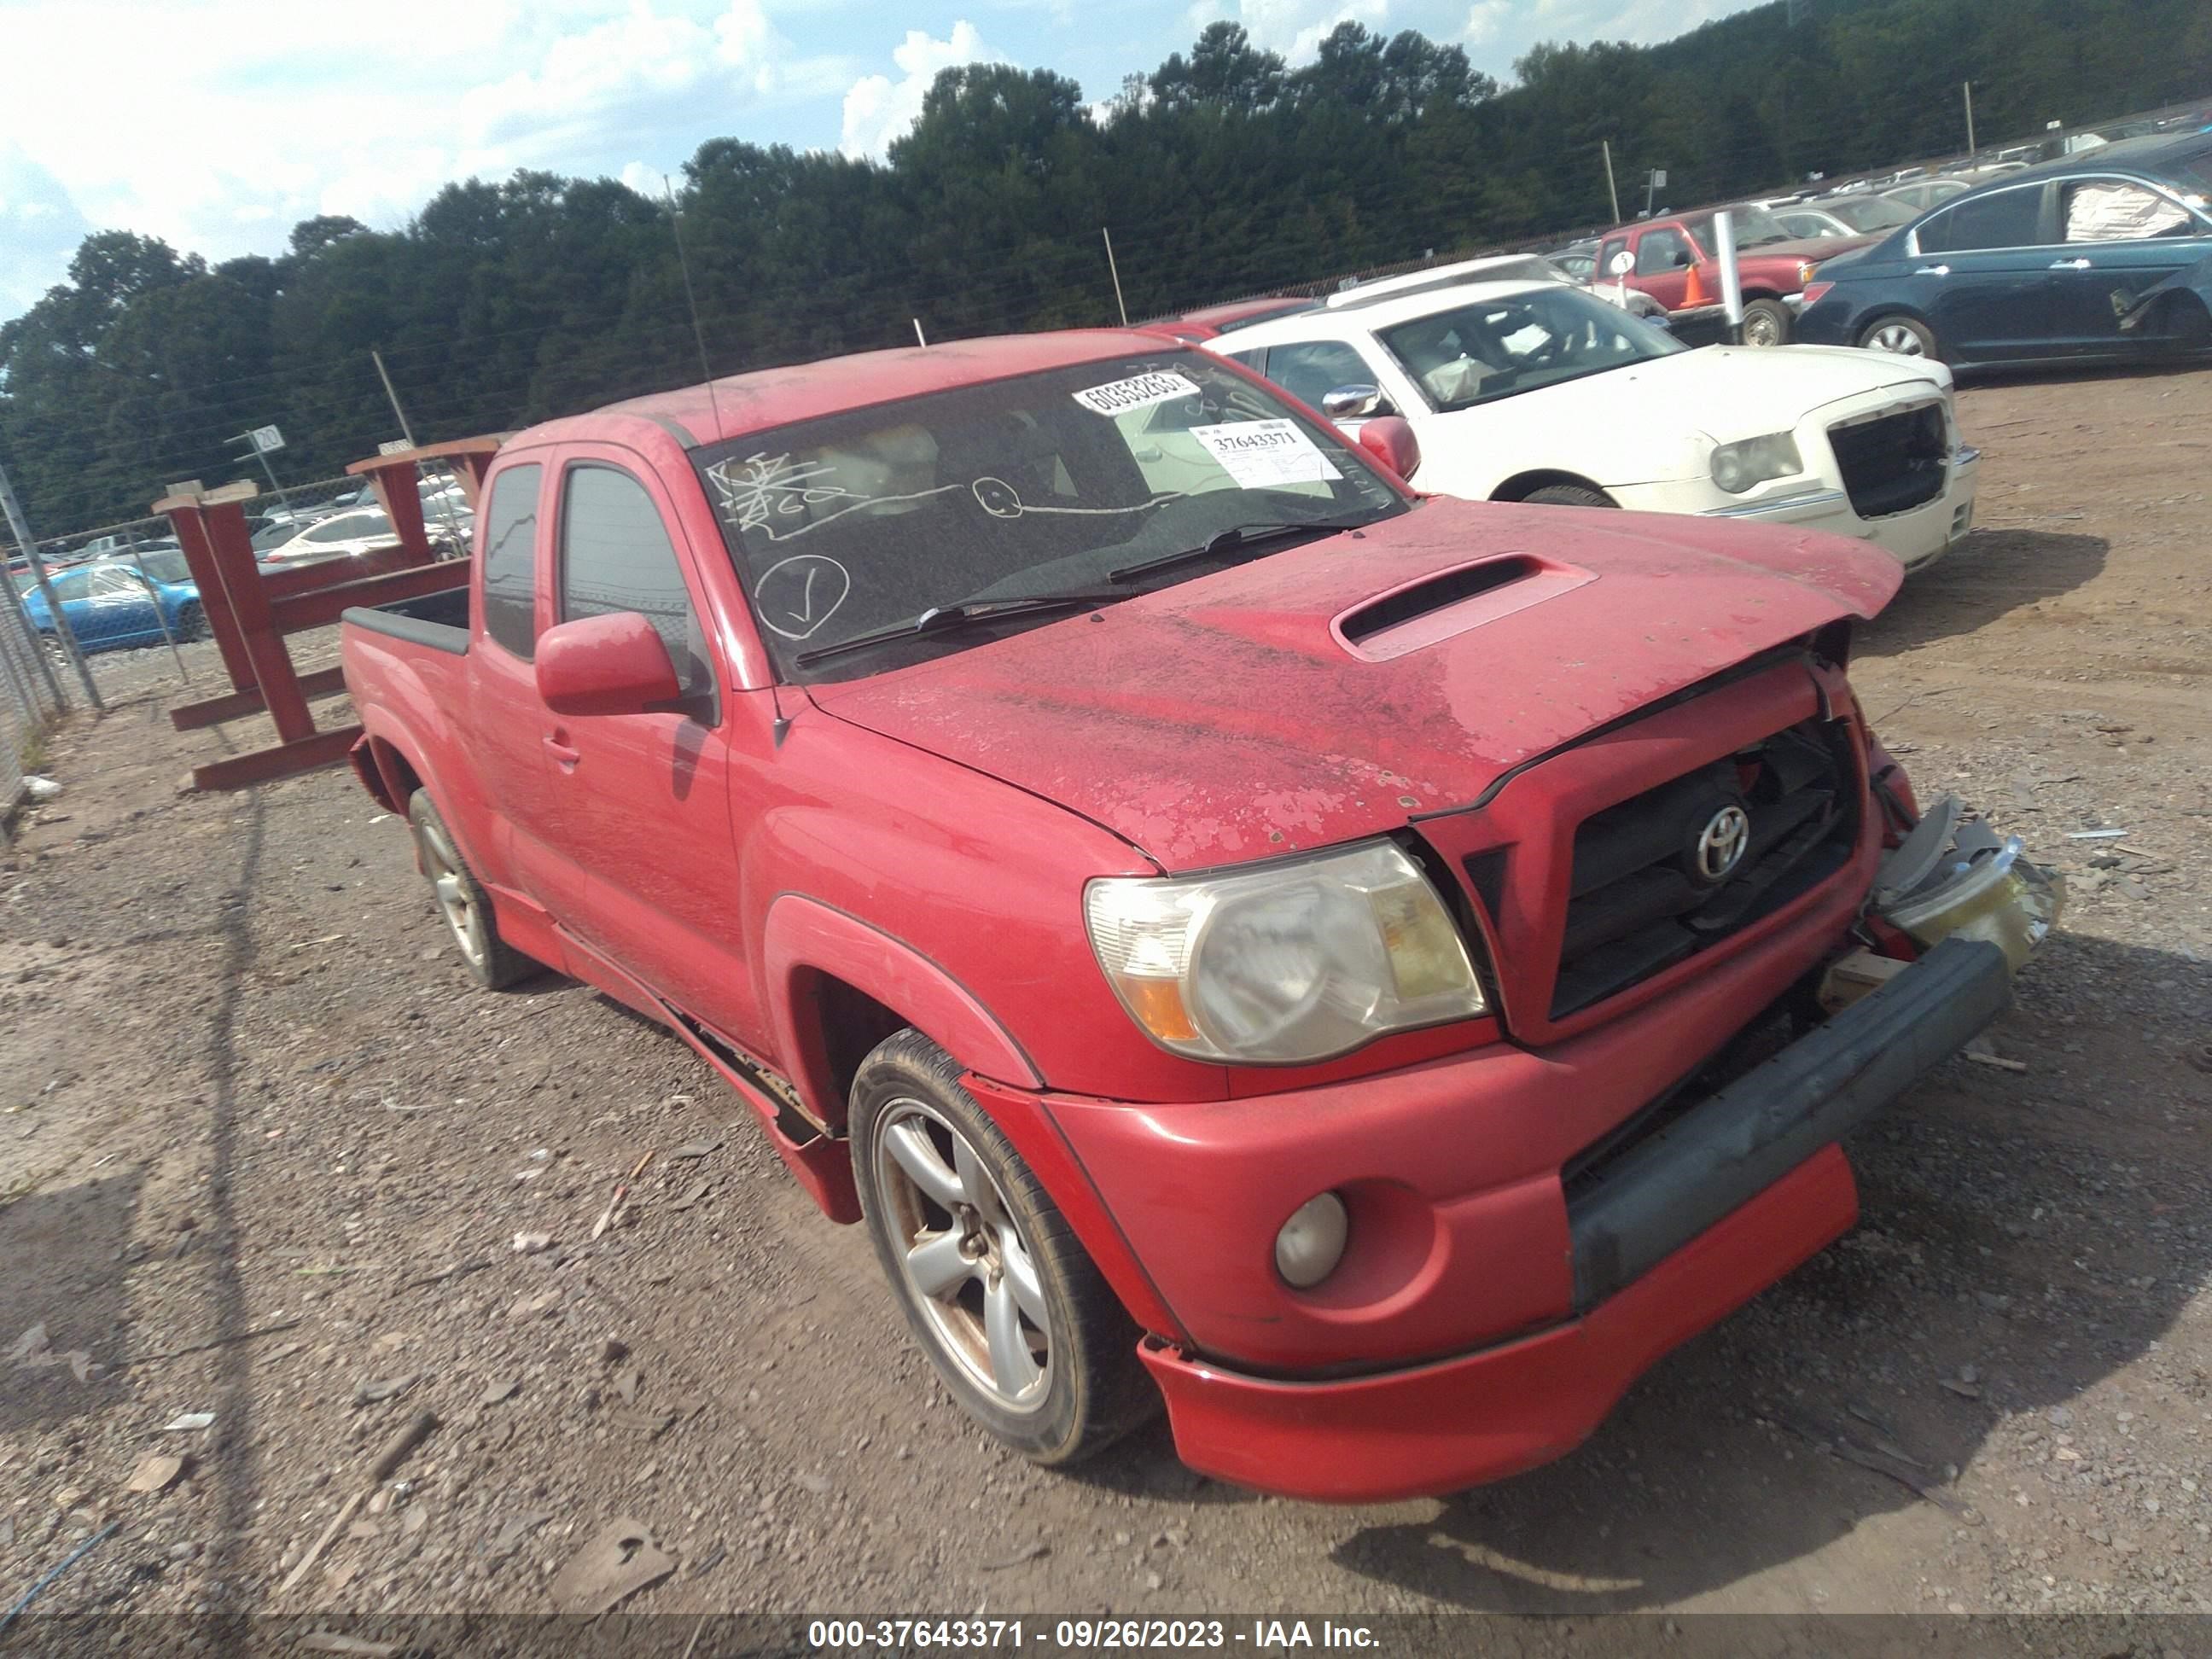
x=30, y=700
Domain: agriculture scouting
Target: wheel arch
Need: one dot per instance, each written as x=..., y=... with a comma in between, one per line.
x=833, y=981
x=1522, y=485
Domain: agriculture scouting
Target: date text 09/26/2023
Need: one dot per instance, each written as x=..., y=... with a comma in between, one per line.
x=1106, y=1634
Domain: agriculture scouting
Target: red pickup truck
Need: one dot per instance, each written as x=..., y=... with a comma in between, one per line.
x=1240, y=934
x=1675, y=259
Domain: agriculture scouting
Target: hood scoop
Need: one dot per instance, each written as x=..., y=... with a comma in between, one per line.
x=1449, y=603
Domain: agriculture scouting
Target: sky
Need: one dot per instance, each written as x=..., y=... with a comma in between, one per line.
x=217, y=124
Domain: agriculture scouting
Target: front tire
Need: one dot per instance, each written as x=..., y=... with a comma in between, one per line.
x=1013, y=1314
x=192, y=624
x=1568, y=496
x=1765, y=323
x=491, y=961
x=1901, y=337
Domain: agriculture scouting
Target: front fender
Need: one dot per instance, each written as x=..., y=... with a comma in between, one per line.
x=804, y=938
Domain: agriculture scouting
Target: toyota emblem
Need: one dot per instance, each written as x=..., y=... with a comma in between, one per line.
x=1720, y=845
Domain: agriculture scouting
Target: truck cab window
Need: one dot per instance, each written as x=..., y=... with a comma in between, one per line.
x=1661, y=252
x=615, y=556
x=510, y=542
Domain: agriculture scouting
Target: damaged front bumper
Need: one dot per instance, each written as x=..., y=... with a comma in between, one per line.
x=1954, y=879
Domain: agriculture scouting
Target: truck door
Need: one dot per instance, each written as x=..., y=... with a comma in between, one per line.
x=508, y=720
x=645, y=798
x=1663, y=258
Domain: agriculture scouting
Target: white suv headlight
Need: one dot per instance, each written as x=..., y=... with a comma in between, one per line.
x=1737, y=466
x=1299, y=961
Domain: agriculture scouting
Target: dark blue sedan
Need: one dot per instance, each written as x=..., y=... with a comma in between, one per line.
x=116, y=604
x=2105, y=257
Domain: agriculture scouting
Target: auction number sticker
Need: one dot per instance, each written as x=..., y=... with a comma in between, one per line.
x=1262, y=453
x=1138, y=392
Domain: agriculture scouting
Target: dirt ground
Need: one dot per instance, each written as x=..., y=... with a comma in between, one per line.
x=245, y=1087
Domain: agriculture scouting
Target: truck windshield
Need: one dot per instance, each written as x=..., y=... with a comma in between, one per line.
x=1016, y=489
x=1754, y=228
x=1479, y=352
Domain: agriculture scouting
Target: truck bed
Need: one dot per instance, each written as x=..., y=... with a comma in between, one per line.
x=439, y=620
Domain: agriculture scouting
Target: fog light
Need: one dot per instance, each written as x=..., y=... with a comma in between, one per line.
x=1311, y=1242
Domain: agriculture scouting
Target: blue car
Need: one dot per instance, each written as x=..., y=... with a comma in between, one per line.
x=2104, y=257
x=116, y=604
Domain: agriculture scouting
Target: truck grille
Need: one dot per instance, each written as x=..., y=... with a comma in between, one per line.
x=1677, y=869
x=1893, y=463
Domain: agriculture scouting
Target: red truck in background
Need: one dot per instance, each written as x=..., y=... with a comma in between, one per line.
x=1359, y=970
x=1676, y=259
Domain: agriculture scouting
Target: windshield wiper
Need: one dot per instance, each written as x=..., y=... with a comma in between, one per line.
x=943, y=618
x=1240, y=535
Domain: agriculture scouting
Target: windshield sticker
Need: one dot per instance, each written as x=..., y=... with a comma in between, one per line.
x=1138, y=392
x=795, y=596
x=1260, y=454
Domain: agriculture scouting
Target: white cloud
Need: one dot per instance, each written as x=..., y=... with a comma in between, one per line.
x=1484, y=19
x=878, y=110
x=1295, y=28
x=216, y=122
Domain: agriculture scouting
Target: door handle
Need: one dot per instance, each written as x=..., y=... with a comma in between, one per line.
x=565, y=757
x=1933, y=270
x=2069, y=265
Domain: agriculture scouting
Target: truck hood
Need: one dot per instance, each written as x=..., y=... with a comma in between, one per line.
x=1226, y=719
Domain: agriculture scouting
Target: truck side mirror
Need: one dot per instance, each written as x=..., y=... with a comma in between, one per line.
x=1390, y=439
x=1682, y=261
x=616, y=663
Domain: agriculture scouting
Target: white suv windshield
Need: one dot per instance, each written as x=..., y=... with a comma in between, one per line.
x=1044, y=485
x=1491, y=349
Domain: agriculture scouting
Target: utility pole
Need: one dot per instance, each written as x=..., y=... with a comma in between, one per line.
x=67, y=636
x=398, y=414
x=1967, y=88
x=1610, y=192
x=1116, y=272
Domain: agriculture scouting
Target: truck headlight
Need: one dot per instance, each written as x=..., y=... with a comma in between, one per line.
x=1737, y=466
x=1300, y=961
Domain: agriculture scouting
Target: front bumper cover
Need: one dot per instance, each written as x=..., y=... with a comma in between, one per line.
x=1685, y=1226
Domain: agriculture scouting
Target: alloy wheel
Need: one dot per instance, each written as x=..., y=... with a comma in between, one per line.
x=1898, y=338
x=972, y=1271
x=443, y=866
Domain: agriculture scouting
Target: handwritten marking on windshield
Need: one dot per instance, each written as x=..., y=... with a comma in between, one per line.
x=821, y=586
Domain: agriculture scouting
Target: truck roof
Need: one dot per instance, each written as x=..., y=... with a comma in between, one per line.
x=738, y=404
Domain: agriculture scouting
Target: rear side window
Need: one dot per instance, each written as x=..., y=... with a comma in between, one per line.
x=510, y=539
x=615, y=556
x=2009, y=218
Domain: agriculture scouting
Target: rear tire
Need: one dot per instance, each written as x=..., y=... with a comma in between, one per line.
x=1765, y=323
x=1016, y=1319
x=192, y=624
x=1568, y=496
x=491, y=961
x=1901, y=337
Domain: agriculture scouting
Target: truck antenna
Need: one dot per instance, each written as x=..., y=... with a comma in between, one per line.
x=691, y=300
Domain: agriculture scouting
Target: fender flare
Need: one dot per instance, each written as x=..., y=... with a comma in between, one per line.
x=803, y=936
x=386, y=733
